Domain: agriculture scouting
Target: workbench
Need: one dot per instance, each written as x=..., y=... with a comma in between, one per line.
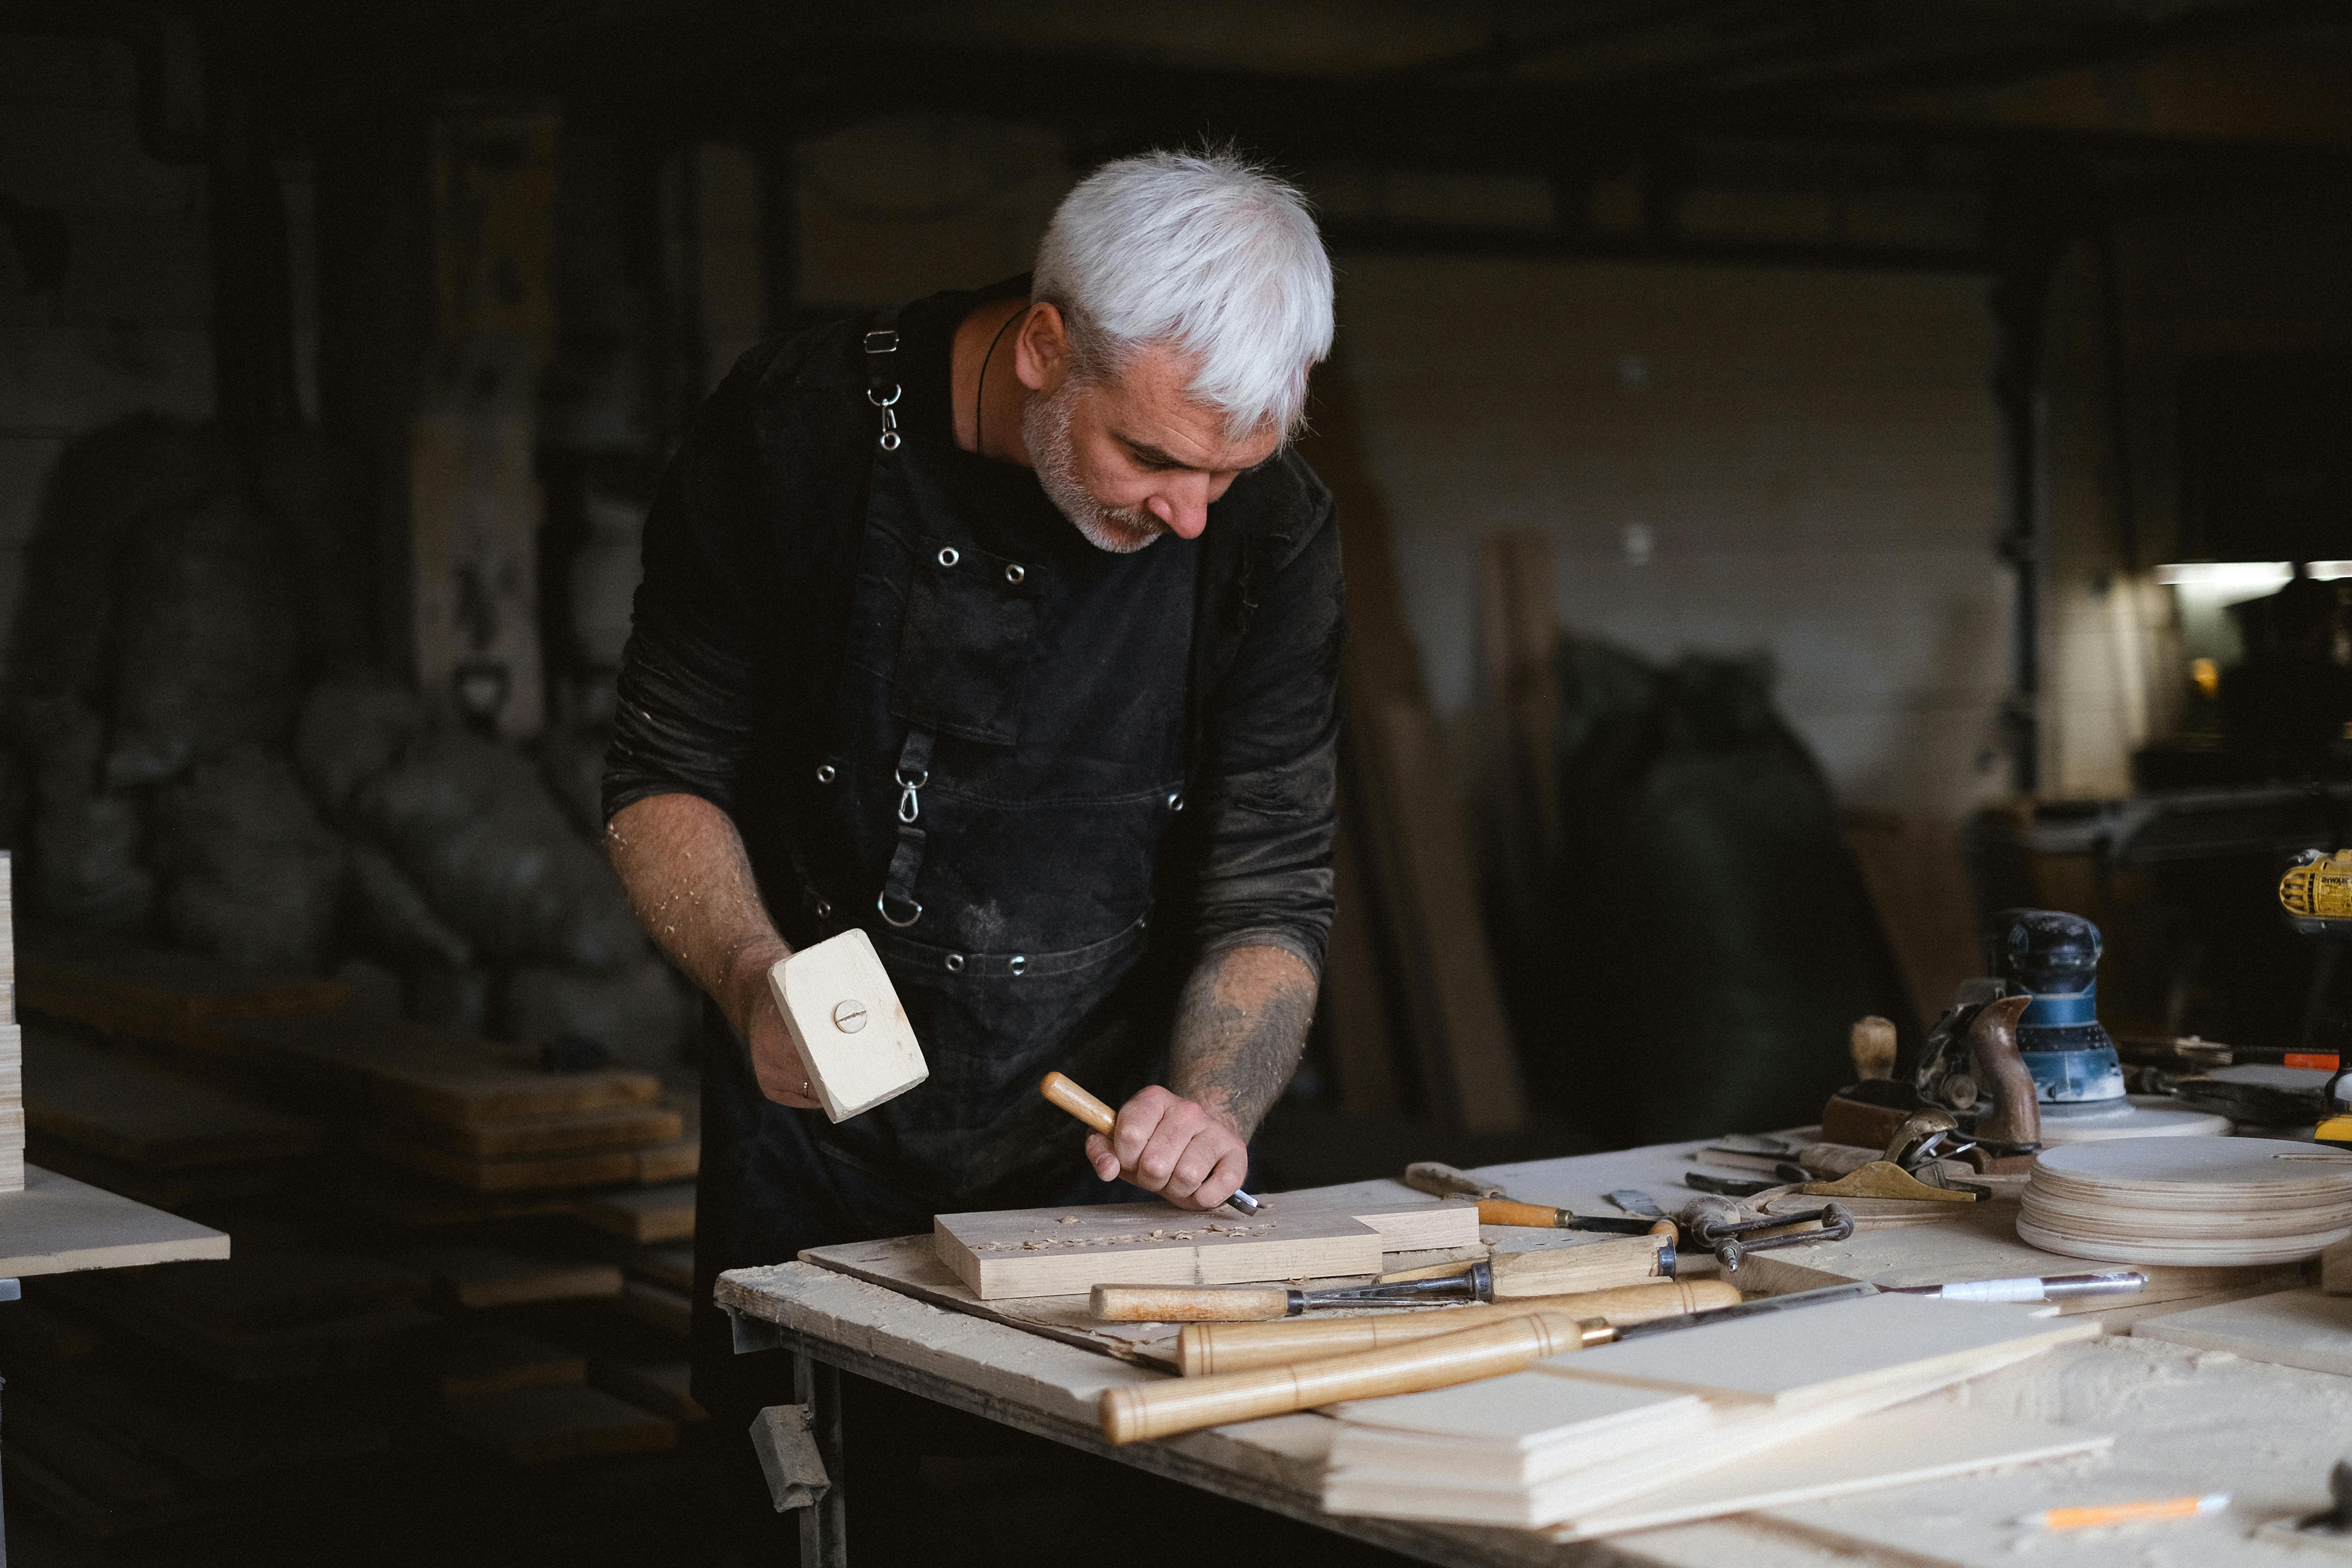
x=2185, y=1422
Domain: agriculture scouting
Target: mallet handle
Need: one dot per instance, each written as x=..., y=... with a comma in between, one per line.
x=1064, y=1092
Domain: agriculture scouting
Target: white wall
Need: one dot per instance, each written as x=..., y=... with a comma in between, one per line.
x=127, y=328
x=1814, y=456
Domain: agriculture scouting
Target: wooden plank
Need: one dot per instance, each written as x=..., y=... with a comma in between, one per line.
x=1055, y=1252
x=1894, y=1448
x=531, y=1174
x=911, y=1266
x=545, y=1426
x=1818, y=1354
x=483, y=1277
x=663, y=1387
x=56, y=1225
x=622, y=1127
x=126, y=1110
x=2308, y=1329
x=499, y=1361
x=679, y=1161
x=647, y=1214
x=130, y=987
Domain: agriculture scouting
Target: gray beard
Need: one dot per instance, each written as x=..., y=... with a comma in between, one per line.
x=1046, y=432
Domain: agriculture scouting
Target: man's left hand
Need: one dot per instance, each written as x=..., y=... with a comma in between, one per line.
x=1177, y=1148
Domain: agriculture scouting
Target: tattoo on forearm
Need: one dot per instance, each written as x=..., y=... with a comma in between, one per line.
x=1240, y=1026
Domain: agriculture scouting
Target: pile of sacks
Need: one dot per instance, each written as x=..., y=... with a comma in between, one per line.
x=174, y=775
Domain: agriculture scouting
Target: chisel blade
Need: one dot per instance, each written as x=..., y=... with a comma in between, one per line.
x=1755, y=1309
x=1634, y=1201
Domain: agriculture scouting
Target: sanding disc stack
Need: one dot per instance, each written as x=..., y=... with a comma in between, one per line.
x=2205, y=1203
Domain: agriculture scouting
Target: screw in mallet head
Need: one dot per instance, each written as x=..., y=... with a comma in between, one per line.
x=849, y=1016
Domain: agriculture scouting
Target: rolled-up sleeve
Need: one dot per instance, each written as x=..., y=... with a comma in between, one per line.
x=682, y=721
x=1268, y=788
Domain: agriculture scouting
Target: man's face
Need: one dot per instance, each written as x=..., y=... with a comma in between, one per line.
x=1130, y=460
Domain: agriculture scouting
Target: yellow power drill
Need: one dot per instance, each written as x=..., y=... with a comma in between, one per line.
x=2316, y=893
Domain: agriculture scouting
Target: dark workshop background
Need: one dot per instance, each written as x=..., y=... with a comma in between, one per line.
x=1797, y=462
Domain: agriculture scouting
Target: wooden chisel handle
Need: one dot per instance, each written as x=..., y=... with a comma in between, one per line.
x=1206, y=1348
x=1139, y=1411
x=1188, y=1304
x=1509, y=1211
x=1067, y=1094
x=1064, y=1092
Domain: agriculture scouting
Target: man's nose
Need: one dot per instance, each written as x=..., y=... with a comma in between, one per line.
x=1184, y=508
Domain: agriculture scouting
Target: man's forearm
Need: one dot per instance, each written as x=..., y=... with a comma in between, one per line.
x=1240, y=1026
x=688, y=877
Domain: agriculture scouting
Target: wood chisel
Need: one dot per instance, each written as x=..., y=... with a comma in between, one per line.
x=1481, y=1282
x=1135, y=1411
x=1205, y=1347
x=1064, y=1093
x=1498, y=1207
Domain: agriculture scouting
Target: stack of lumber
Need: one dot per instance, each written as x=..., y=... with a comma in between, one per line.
x=263, y=1316
x=160, y=1137
x=1646, y=1431
x=2207, y=1202
x=12, y=1040
x=460, y=1111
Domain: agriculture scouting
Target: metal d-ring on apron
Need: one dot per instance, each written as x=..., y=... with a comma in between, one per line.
x=914, y=767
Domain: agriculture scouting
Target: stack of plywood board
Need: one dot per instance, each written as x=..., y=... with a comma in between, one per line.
x=1706, y=1420
x=12, y=1041
x=2210, y=1202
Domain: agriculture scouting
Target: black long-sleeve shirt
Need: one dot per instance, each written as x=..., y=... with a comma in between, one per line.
x=750, y=551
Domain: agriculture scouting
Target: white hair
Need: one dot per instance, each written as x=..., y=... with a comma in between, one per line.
x=1202, y=252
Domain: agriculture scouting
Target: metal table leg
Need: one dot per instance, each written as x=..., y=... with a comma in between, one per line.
x=824, y=1524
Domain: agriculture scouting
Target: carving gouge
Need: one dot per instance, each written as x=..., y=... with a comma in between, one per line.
x=1063, y=1092
x=1498, y=1207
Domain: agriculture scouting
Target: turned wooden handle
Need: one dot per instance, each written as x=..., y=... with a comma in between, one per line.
x=1567, y=1270
x=1872, y=1041
x=1140, y=1411
x=1204, y=1349
x=1509, y=1211
x=1061, y=1091
x=1189, y=1304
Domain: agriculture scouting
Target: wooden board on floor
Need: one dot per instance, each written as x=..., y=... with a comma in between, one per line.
x=390, y=1062
x=484, y=1277
x=526, y=1174
x=129, y=986
x=2308, y=1329
x=623, y=1127
x=644, y=1214
x=499, y=1361
x=542, y=1425
x=1061, y=1251
x=1897, y=1447
x=124, y=1108
x=56, y=1225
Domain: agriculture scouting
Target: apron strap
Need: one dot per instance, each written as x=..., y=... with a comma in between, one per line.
x=882, y=388
x=913, y=771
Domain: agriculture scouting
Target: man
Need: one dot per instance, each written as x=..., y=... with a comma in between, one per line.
x=1004, y=627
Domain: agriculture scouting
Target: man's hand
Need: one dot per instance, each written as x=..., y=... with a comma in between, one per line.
x=1177, y=1148
x=752, y=1007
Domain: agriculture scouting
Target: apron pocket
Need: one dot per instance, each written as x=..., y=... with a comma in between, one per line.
x=965, y=644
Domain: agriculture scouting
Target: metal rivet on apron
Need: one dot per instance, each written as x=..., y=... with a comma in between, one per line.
x=1176, y=800
x=1017, y=963
x=949, y=556
x=955, y=963
x=823, y=911
x=849, y=1017
x=1014, y=573
x=826, y=773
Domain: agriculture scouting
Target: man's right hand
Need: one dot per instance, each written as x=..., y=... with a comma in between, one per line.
x=782, y=1076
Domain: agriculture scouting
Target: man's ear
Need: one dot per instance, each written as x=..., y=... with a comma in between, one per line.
x=1041, y=349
